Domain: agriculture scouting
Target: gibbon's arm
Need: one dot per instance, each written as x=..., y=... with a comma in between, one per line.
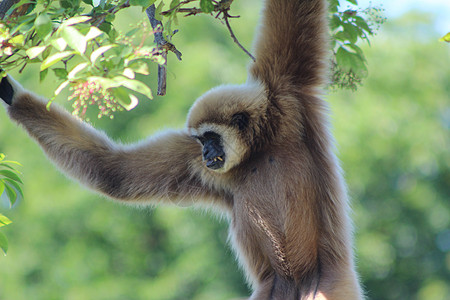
x=162, y=168
x=291, y=45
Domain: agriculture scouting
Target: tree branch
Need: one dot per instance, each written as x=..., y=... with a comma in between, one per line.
x=5, y=5
x=164, y=46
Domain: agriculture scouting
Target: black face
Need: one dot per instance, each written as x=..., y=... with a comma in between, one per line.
x=213, y=153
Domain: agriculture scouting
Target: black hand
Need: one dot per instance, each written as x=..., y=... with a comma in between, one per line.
x=6, y=91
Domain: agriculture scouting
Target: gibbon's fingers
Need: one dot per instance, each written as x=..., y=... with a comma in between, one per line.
x=6, y=91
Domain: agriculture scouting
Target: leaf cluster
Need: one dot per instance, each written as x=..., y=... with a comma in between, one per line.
x=10, y=186
x=78, y=41
x=348, y=27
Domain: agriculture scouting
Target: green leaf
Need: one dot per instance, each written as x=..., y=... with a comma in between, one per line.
x=2, y=187
x=11, y=194
x=207, y=6
x=353, y=2
x=4, y=220
x=139, y=66
x=158, y=11
x=3, y=243
x=61, y=73
x=43, y=74
x=174, y=3
x=43, y=25
x=333, y=6
x=16, y=186
x=135, y=85
x=57, y=57
x=143, y=3
x=445, y=38
x=335, y=22
x=124, y=97
x=10, y=174
x=351, y=31
x=35, y=51
x=74, y=39
x=362, y=24
x=349, y=61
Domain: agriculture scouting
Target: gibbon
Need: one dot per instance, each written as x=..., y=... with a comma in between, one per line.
x=261, y=152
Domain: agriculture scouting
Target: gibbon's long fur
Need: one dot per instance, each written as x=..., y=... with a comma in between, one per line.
x=261, y=152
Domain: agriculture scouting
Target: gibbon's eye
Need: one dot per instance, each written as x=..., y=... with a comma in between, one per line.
x=240, y=120
x=200, y=139
x=213, y=152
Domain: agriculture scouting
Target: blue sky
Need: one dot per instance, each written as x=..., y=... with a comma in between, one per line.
x=395, y=8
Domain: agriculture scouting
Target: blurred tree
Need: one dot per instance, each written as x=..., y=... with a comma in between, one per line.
x=393, y=140
x=394, y=145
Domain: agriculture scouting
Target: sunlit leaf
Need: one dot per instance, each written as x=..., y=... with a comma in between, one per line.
x=61, y=87
x=59, y=44
x=128, y=72
x=57, y=57
x=4, y=220
x=135, y=85
x=77, y=69
x=445, y=38
x=76, y=20
x=17, y=40
x=74, y=38
x=98, y=52
x=35, y=51
x=93, y=33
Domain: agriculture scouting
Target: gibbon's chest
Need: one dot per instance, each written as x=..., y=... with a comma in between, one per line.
x=260, y=211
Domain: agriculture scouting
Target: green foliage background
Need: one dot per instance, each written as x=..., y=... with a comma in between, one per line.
x=393, y=136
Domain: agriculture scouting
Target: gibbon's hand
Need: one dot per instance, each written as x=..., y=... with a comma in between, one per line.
x=6, y=91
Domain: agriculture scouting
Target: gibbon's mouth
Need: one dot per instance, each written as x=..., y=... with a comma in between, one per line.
x=215, y=162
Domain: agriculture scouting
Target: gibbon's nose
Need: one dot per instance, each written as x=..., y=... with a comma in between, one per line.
x=213, y=154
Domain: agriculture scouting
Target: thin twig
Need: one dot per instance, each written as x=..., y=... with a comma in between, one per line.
x=225, y=17
x=221, y=7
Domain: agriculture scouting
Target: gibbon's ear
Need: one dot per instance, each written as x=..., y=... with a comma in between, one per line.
x=6, y=90
x=240, y=120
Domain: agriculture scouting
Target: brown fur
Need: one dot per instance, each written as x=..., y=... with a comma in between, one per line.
x=281, y=184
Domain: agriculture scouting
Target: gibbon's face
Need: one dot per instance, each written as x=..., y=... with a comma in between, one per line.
x=223, y=121
x=222, y=147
